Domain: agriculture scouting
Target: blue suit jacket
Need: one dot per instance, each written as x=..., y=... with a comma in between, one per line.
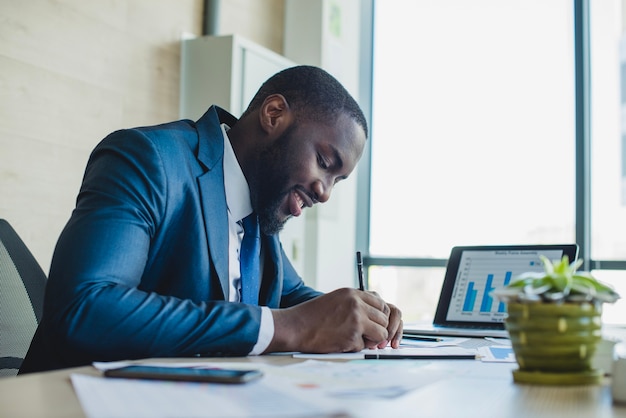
x=141, y=268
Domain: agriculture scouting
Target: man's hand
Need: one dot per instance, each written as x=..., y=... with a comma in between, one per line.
x=395, y=327
x=344, y=320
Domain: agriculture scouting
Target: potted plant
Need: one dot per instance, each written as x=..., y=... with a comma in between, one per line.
x=554, y=321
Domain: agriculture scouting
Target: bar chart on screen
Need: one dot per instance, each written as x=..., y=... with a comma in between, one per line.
x=480, y=273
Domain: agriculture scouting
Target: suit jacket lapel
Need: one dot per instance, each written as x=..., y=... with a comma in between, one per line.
x=214, y=208
x=211, y=186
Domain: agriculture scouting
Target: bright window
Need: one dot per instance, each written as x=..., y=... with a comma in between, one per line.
x=473, y=135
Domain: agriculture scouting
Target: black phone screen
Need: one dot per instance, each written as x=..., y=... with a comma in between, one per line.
x=185, y=374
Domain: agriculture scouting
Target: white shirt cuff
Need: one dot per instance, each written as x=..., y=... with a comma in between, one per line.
x=266, y=332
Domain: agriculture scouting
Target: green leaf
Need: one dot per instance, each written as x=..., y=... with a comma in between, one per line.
x=560, y=282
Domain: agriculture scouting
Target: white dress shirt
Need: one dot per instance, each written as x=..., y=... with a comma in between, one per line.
x=239, y=206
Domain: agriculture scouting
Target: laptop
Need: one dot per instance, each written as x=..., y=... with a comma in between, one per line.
x=465, y=307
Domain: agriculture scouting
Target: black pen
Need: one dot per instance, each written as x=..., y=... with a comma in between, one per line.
x=420, y=357
x=419, y=338
x=359, y=268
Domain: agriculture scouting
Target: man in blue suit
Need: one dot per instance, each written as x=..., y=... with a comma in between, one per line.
x=148, y=264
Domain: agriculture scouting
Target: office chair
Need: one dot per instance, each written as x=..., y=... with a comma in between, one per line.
x=22, y=285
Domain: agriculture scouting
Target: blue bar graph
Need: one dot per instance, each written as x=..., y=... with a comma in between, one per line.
x=507, y=279
x=470, y=298
x=485, y=305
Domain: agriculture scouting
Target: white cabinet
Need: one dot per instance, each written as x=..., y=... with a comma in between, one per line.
x=224, y=70
x=227, y=71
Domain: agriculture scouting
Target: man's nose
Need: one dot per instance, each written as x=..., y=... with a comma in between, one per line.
x=322, y=190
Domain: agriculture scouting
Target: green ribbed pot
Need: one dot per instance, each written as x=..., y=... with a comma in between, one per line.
x=555, y=343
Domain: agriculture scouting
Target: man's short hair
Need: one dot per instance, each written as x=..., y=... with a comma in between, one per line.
x=312, y=93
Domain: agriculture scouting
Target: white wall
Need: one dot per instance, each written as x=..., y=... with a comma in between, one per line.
x=326, y=33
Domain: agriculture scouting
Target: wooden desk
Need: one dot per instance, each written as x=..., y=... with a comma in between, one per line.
x=475, y=389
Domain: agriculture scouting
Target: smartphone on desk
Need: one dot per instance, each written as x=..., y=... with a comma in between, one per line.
x=185, y=374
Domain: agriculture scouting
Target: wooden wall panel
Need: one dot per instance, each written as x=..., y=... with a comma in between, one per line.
x=72, y=71
x=261, y=21
x=48, y=106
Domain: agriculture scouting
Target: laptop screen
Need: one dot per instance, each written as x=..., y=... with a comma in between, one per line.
x=472, y=273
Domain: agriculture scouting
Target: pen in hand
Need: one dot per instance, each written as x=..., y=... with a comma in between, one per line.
x=359, y=268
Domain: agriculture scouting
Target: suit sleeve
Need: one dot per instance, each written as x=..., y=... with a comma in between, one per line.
x=95, y=307
x=294, y=289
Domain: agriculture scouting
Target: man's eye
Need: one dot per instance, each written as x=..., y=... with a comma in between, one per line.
x=321, y=161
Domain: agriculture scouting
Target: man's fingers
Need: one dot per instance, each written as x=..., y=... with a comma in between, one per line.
x=397, y=337
x=375, y=301
x=396, y=326
x=378, y=316
x=375, y=335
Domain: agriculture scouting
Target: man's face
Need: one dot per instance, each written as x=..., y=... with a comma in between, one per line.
x=301, y=167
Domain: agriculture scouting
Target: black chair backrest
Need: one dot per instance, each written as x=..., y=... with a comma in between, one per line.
x=22, y=286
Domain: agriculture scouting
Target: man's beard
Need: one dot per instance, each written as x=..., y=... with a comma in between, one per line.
x=270, y=183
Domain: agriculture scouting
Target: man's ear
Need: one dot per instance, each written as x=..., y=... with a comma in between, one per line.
x=275, y=114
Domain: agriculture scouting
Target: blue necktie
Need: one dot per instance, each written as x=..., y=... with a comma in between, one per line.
x=249, y=260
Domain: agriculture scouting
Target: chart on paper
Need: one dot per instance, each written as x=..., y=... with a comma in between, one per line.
x=481, y=272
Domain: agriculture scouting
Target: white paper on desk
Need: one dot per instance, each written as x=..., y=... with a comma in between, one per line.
x=414, y=351
x=496, y=354
x=359, y=379
x=102, y=397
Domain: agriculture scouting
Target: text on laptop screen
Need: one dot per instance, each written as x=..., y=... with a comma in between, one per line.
x=481, y=272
